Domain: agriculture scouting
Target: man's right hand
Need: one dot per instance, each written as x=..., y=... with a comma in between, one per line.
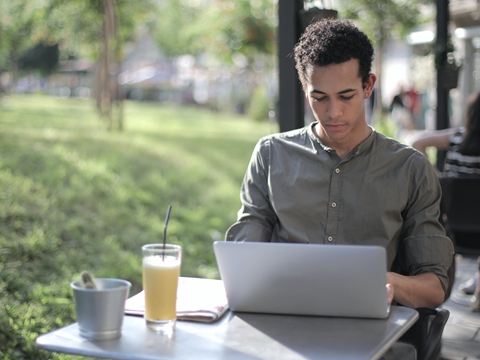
x=390, y=294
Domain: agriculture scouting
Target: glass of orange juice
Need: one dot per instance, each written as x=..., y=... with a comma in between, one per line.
x=161, y=270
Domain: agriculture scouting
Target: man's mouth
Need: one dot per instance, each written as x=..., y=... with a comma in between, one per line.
x=334, y=126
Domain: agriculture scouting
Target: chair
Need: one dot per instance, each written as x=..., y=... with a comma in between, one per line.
x=461, y=207
x=426, y=334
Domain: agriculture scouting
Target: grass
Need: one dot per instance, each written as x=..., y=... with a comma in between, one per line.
x=77, y=197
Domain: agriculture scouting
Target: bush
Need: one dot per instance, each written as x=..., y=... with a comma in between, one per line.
x=385, y=125
x=259, y=106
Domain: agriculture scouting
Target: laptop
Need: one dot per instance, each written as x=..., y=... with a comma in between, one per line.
x=304, y=279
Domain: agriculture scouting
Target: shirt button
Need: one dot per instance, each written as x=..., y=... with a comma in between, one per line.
x=330, y=238
x=334, y=204
x=337, y=170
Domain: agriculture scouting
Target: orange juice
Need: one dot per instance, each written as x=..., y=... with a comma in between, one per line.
x=160, y=282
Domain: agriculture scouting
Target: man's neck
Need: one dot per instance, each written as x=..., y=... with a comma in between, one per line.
x=343, y=146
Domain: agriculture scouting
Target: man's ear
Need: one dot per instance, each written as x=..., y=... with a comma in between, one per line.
x=372, y=78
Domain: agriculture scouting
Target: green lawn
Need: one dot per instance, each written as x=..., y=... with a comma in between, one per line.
x=75, y=197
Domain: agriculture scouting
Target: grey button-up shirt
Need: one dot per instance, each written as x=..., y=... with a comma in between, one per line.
x=383, y=193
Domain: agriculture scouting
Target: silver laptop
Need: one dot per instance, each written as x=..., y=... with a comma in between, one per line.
x=304, y=279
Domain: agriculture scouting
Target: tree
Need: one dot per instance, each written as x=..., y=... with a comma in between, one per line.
x=174, y=27
x=98, y=29
x=242, y=26
x=219, y=28
x=383, y=20
x=18, y=20
x=41, y=57
x=95, y=29
x=234, y=37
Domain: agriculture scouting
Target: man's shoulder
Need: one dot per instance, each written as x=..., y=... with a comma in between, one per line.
x=390, y=148
x=390, y=144
x=287, y=136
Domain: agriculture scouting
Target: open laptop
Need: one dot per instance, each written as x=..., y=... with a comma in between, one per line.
x=304, y=279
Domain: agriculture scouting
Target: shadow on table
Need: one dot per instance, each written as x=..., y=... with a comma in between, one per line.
x=315, y=337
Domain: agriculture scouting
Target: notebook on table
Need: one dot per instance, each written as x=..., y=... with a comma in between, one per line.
x=304, y=279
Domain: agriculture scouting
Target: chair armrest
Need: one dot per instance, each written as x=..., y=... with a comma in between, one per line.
x=425, y=335
x=435, y=333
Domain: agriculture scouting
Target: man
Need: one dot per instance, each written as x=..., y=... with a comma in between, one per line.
x=338, y=181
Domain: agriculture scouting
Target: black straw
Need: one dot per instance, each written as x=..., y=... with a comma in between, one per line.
x=165, y=230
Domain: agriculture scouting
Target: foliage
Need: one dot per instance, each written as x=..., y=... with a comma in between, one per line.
x=17, y=20
x=260, y=104
x=245, y=26
x=219, y=28
x=76, y=25
x=41, y=57
x=75, y=197
x=174, y=27
x=382, y=19
x=385, y=125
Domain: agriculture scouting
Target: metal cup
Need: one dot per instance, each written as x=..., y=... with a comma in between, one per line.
x=100, y=311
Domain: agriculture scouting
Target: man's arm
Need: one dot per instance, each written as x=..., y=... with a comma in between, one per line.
x=426, y=252
x=256, y=218
x=424, y=290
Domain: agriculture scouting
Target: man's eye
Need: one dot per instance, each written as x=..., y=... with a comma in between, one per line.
x=347, y=97
x=318, y=99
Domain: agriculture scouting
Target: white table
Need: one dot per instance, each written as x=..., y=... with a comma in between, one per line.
x=244, y=336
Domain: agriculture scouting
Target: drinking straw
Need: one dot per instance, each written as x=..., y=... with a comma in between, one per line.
x=165, y=230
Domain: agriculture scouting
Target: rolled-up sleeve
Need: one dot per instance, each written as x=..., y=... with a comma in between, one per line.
x=256, y=218
x=427, y=254
x=425, y=248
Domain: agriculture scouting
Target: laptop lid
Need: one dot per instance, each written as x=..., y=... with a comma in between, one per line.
x=304, y=279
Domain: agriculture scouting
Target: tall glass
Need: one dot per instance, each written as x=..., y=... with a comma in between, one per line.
x=161, y=270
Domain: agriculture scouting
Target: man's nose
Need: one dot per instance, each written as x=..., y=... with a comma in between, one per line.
x=334, y=109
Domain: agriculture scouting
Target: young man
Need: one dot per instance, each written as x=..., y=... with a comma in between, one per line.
x=338, y=181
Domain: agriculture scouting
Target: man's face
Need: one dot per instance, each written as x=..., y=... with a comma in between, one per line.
x=337, y=98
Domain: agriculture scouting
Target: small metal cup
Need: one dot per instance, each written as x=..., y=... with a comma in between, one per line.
x=100, y=311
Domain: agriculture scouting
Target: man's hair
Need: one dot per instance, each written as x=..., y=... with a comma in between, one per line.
x=332, y=41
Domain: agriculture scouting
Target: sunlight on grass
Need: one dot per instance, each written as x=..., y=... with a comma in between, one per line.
x=77, y=197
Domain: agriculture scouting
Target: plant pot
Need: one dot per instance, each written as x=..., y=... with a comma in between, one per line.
x=449, y=76
x=315, y=14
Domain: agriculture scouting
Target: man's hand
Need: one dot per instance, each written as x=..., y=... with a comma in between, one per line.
x=390, y=293
x=424, y=290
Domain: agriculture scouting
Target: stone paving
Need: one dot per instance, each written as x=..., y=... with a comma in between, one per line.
x=461, y=336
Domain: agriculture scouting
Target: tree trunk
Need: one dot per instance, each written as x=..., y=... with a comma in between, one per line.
x=118, y=70
x=107, y=90
x=108, y=38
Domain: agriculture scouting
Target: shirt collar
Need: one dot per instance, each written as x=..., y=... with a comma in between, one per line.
x=361, y=148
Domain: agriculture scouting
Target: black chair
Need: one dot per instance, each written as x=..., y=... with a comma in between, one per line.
x=426, y=334
x=461, y=209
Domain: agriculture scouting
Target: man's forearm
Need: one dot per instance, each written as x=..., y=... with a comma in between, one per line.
x=423, y=290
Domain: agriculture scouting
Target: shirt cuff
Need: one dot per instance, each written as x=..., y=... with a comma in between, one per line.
x=248, y=231
x=427, y=254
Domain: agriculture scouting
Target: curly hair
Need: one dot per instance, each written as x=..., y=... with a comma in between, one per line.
x=332, y=41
